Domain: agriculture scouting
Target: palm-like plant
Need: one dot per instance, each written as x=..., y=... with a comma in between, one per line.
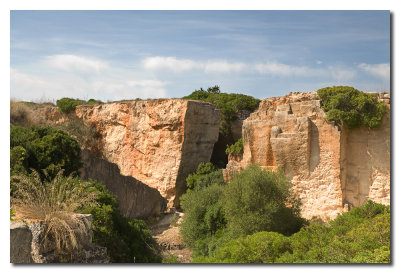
x=54, y=202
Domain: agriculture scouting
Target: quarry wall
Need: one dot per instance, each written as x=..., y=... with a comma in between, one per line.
x=331, y=168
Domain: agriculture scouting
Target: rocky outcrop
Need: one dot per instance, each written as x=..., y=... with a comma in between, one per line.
x=158, y=142
x=136, y=199
x=27, y=245
x=20, y=243
x=331, y=168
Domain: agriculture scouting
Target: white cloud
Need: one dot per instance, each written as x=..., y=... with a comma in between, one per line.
x=342, y=74
x=180, y=65
x=319, y=62
x=274, y=68
x=107, y=86
x=75, y=63
x=169, y=63
x=223, y=66
x=378, y=70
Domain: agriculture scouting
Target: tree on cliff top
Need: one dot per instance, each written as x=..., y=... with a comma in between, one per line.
x=351, y=107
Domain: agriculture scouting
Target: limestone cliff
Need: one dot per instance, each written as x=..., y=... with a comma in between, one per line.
x=158, y=142
x=331, y=168
x=135, y=199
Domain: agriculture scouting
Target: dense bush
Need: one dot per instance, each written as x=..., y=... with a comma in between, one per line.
x=206, y=174
x=216, y=212
x=50, y=149
x=359, y=236
x=260, y=247
x=127, y=240
x=351, y=107
x=235, y=149
x=260, y=200
x=43, y=148
x=203, y=217
x=229, y=104
x=67, y=105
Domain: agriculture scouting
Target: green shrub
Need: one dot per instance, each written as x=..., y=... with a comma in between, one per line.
x=206, y=174
x=43, y=148
x=260, y=247
x=235, y=149
x=350, y=107
x=127, y=240
x=216, y=212
x=171, y=260
x=203, y=214
x=256, y=200
x=359, y=236
x=67, y=105
x=229, y=104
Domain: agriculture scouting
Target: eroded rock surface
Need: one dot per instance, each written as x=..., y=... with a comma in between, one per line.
x=27, y=244
x=331, y=168
x=20, y=243
x=136, y=199
x=158, y=142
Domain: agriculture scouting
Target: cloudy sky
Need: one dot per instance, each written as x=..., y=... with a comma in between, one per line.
x=112, y=55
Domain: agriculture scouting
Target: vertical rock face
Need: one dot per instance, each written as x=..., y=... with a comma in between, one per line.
x=158, y=142
x=136, y=199
x=329, y=168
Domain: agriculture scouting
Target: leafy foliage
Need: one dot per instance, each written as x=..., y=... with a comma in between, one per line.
x=359, y=236
x=235, y=149
x=351, y=107
x=127, y=240
x=216, y=212
x=203, y=214
x=206, y=174
x=229, y=104
x=50, y=149
x=67, y=105
x=43, y=148
x=260, y=247
x=257, y=200
x=353, y=237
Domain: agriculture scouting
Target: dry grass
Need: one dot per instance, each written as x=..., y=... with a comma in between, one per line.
x=20, y=114
x=54, y=203
x=24, y=114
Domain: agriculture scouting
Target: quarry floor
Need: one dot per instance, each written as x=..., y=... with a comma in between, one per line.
x=165, y=231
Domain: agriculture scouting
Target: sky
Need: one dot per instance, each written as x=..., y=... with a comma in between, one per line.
x=114, y=55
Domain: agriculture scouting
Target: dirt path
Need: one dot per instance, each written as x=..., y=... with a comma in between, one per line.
x=166, y=233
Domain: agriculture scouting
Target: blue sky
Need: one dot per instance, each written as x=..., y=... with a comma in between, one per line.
x=112, y=55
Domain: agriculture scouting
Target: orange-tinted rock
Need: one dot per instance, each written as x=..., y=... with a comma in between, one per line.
x=330, y=168
x=158, y=142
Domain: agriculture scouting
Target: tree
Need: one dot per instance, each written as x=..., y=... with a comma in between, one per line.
x=44, y=148
x=352, y=108
x=214, y=89
x=260, y=200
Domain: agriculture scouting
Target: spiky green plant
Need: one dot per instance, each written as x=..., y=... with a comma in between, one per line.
x=55, y=203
